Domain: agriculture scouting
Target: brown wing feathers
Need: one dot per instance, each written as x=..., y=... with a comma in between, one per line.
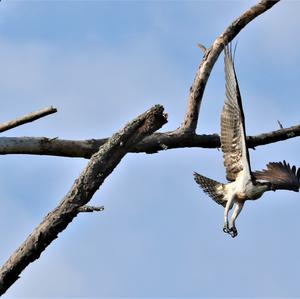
x=232, y=123
x=280, y=175
x=213, y=188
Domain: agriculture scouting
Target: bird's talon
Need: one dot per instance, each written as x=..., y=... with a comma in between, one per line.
x=233, y=232
x=226, y=229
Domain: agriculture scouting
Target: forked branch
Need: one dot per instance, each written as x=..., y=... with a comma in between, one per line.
x=105, y=154
x=101, y=164
x=189, y=124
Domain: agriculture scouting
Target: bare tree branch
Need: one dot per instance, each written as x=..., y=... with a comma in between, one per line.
x=189, y=124
x=105, y=154
x=274, y=136
x=27, y=118
x=151, y=144
x=102, y=163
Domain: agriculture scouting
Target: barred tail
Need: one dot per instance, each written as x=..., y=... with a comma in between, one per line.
x=213, y=188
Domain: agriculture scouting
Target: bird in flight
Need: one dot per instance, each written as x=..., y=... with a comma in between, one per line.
x=243, y=183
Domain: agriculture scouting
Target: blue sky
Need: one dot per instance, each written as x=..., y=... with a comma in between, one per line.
x=103, y=63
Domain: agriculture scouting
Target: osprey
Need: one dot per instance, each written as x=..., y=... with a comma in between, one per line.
x=243, y=183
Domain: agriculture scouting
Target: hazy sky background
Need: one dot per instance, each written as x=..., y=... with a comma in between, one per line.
x=103, y=63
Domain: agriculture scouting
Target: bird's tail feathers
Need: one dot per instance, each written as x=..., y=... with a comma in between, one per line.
x=214, y=189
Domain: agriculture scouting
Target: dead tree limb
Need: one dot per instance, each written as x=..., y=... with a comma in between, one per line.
x=189, y=124
x=151, y=144
x=101, y=164
x=105, y=154
x=27, y=118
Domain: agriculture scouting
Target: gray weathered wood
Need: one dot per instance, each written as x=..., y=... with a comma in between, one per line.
x=211, y=55
x=151, y=144
x=101, y=164
x=27, y=118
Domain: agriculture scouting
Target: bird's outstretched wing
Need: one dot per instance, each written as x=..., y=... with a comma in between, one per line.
x=280, y=175
x=233, y=134
x=213, y=188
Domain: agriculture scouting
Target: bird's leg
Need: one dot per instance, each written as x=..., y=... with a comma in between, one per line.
x=228, y=206
x=232, y=230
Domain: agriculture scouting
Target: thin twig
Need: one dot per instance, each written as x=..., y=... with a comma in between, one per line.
x=100, y=166
x=189, y=124
x=280, y=124
x=27, y=118
x=202, y=48
x=90, y=209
